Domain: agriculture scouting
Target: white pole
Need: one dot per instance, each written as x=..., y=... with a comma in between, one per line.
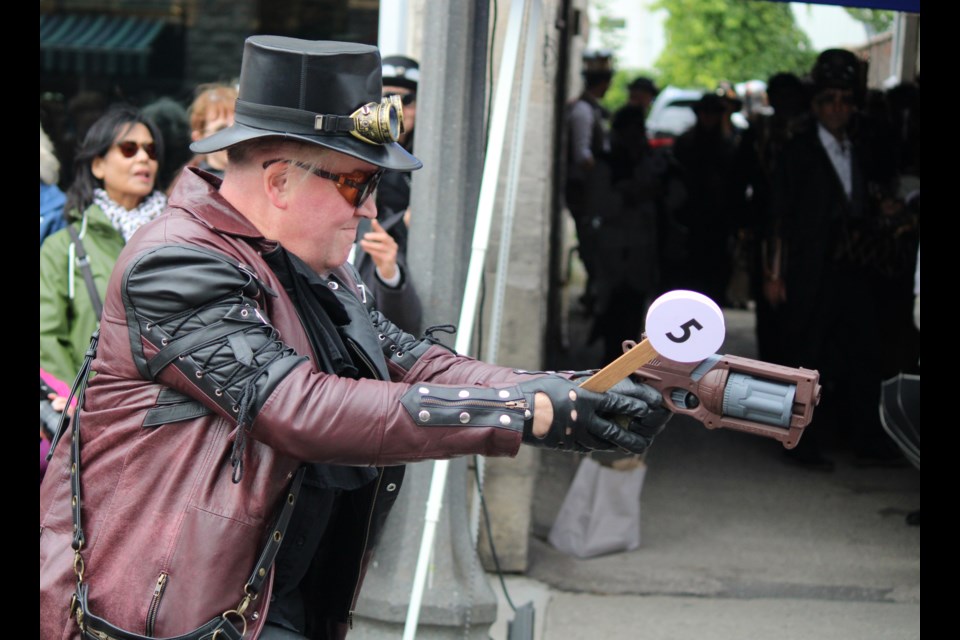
x=506, y=228
x=392, y=33
x=481, y=239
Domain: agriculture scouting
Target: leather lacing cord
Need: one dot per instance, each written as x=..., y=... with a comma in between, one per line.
x=254, y=584
x=246, y=375
x=449, y=329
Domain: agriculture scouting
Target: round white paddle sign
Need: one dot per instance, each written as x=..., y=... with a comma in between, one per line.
x=685, y=326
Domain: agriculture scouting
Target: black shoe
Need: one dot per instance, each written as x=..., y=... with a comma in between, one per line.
x=812, y=460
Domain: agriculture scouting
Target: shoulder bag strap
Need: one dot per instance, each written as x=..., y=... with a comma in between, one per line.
x=84, y=263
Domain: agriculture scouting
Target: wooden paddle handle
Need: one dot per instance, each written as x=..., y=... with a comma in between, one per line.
x=620, y=368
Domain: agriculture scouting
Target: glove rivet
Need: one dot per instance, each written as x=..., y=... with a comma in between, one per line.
x=464, y=417
x=423, y=390
x=505, y=420
x=573, y=415
x=392, y=487
x=572, y=395
x=424, y=415
x=463, y=394
x=503, y=393
x=333, y=285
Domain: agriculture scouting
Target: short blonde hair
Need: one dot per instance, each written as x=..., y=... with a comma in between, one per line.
x=221, y=99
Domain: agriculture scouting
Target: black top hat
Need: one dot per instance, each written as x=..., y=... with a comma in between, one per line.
x=709, y=103
x=286, y=83
x=644, y=84
x=836, y=69
x=401, y=71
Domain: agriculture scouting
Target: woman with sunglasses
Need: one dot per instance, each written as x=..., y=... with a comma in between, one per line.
x=111, y=197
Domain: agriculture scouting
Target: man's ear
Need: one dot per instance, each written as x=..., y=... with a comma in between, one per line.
x=277, y=184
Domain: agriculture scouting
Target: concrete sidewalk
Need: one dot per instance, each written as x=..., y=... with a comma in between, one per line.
x=735, y=544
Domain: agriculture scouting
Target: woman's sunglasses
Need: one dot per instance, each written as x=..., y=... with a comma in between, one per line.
x=129, y=148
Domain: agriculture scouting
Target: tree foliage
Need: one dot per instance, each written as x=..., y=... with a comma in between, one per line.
x=709, y=41
x=874, y=20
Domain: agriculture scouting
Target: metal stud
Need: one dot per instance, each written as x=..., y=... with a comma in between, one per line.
x=392, y=487
x=527, y=414
x=505, y=420
x=503, y=393
x=334, y=285
x=463, y=394
x=423, y=390
x=244, y=313
x=424, y=415
x=464, y=417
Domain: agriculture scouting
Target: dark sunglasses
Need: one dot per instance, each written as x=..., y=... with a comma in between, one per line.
x=355, y=187
x=406, y=99
x=129, y=148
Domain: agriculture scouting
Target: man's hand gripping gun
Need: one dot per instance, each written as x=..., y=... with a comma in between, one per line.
x=731, y=392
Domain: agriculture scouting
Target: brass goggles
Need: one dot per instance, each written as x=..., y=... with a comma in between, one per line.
x=374, y=123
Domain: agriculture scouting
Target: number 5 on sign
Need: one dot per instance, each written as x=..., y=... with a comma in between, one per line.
x=685, y=326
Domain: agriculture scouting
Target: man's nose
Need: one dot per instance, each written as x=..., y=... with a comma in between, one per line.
x=369, y=208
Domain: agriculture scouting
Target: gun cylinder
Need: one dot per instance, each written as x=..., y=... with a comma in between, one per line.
x=758, y=400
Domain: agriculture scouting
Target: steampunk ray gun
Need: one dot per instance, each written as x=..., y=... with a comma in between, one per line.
x=720, y=391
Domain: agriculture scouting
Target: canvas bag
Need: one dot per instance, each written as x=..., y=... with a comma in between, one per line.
x=601, y=511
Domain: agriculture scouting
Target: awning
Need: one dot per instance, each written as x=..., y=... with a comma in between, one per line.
x=96, y=44
x=907, y=6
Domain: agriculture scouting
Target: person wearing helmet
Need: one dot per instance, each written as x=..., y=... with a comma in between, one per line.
x=380, y=254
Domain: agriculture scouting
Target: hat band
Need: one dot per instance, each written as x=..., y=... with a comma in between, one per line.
x=373, y=123
x=279, y=119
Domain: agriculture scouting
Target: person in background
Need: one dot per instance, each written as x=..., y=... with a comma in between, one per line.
x=827, y=198
x=588, y=171
x=171, y=120
x=212, y=111
x=111, y=197
x=401, y=76
x=706, y=155
x=380, y=254
x=643, y=91
x=51, y=197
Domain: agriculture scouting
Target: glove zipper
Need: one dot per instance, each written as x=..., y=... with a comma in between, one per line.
x=467, y=402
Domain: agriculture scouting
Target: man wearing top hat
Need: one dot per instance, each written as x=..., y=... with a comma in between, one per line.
x=241, y=444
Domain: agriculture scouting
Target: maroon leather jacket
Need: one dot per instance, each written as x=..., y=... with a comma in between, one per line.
x=170, y=540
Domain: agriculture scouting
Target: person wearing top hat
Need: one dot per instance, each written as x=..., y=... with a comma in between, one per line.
x=239, y=449
x=828, y=297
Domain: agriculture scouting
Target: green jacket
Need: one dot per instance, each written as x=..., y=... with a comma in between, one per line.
x=67, y=321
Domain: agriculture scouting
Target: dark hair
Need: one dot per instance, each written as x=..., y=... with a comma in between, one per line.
x=100, y=137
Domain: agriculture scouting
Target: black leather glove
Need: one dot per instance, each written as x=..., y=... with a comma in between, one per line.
x=585, y=421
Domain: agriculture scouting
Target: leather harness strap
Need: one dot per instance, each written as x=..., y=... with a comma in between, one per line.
x=260, y=571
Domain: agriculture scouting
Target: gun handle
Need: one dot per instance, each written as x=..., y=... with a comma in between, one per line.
x=602, y=380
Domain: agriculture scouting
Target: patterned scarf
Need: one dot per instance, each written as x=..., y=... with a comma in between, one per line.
x=127, y=222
